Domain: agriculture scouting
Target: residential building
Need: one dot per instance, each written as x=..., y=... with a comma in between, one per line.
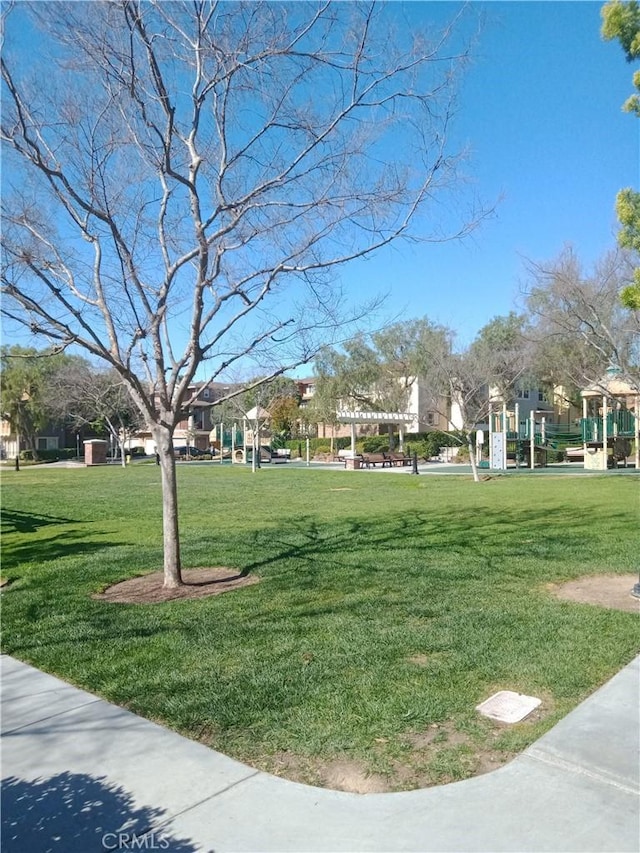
x=429, y=414
x=196, y=420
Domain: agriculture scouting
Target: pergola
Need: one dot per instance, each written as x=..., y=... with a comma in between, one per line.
x=354, y=418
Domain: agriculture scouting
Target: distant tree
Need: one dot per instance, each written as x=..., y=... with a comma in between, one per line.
x=471, y=378
x=285, y=413
x=84, y=395
x=621, y=21
x=628, y=210
x=503, y=348
x=376, y=372
x=25, y=375
x=577, y=322
x=182, y=182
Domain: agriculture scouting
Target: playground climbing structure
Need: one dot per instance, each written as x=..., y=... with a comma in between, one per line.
x=607, y=435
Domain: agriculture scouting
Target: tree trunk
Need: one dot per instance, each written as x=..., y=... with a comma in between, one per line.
x=170, y=535
x=123, y=453
x=472, y=459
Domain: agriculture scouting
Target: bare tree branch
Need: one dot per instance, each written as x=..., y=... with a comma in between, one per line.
x=184, y=181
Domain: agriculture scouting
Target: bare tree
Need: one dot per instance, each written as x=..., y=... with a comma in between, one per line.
x=253, y=408
x=472, y=378
x=183, y=181
x=577, y=322
x=82, y=395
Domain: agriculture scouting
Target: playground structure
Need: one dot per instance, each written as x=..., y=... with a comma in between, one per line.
x=247, y=439
x=604, y=437
x=225, y=440
x=610, y=421
x=526, y=441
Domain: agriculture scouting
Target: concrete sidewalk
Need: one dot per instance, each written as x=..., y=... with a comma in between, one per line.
x=81, y=775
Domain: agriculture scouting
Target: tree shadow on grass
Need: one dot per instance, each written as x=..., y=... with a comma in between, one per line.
x=14, y=521
x=78, y=812
x=477, y=535
x=70, y=543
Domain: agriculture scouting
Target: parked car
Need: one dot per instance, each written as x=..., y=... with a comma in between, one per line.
x=190, y=452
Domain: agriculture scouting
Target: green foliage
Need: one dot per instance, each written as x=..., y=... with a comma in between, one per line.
x=628, y=210
x=428, y=444
x=297, y=446
x=437, y=439
x=462, y=455
x=375, y=443
x=284, y=412
x=376, y=373
x=47, y=455
x=25, y=374
x=621, y=21
x=630, y=295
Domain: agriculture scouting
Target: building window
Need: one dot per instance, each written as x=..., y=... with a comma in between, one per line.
x=205, y=393
x=541, y=397
x=523, y=395
x=49, y=442
x=431, y=418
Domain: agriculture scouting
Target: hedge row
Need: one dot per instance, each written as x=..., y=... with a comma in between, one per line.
x=297, y=446
x=425, y=444
x=47, y=455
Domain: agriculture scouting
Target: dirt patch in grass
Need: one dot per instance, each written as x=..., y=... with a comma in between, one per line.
x=612, y=591
x=197, y=583
x=346, y=774
x=437, y=755
x=338, y=774
x=419, y=660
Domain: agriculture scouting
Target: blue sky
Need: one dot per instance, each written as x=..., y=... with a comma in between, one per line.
x=549, y=145
x=540, y=109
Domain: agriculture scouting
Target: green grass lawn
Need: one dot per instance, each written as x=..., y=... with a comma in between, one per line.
x=389, y=606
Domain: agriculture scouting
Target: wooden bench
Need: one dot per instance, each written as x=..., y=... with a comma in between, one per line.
x=373, y=459
x=398, y=459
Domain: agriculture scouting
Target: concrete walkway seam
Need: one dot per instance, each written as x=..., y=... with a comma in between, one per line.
x=571, y=767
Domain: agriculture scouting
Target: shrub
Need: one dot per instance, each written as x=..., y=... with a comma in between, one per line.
x=297, y=446
x=462, y=455
x=47, y=455
x=375, y=443
x=428, y=444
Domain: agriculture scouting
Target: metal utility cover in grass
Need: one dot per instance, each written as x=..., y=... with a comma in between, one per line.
x=508, y=707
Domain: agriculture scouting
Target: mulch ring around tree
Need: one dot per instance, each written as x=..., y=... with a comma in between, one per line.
x=197, y=583
x=612, y=591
